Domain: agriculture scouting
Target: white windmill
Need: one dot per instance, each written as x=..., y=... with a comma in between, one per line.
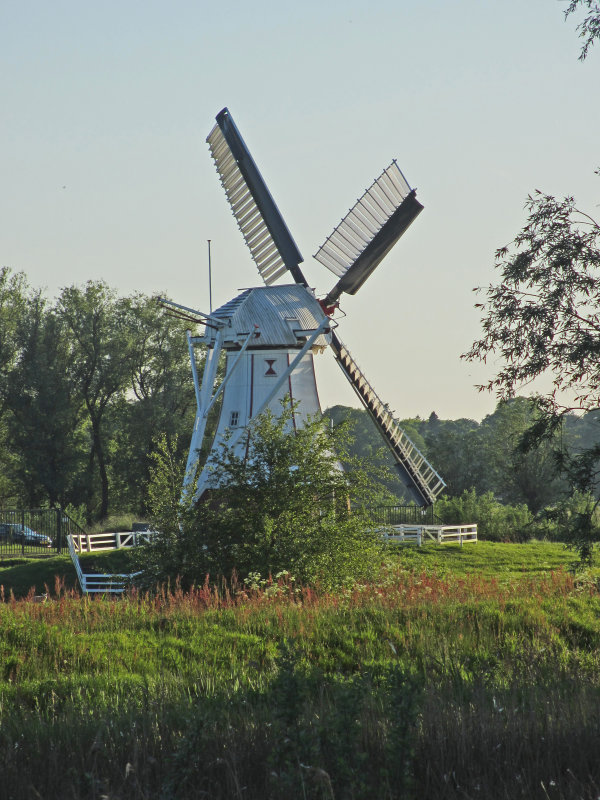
x=270, y=333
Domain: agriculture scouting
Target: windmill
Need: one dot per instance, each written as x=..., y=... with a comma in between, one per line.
x=271, y=333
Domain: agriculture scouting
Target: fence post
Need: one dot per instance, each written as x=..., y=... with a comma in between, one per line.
x=59, y=529
x=23, y=531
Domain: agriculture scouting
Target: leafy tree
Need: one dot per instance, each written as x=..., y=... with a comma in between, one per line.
x=515, y=474
x=160, y=401
x=366, y=444
x=283, y=505
x=13, y=301
x=100, y=366
x=453, y=447
x=14, y=291
x=589, y=29
x=543, y=319
x=44, y=424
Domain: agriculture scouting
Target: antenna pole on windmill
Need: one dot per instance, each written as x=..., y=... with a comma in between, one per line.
x=209, y=281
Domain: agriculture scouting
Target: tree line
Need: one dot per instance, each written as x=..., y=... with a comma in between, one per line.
x=91, y=380
x=494, y=455
x=87, y=383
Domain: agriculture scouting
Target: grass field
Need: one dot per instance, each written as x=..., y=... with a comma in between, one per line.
x=462, y=673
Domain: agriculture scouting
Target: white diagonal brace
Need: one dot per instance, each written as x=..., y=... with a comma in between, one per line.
x=208, y=379
x=251, y=335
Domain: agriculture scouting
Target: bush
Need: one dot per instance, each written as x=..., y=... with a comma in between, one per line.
x=284, y=505
x=496, y=522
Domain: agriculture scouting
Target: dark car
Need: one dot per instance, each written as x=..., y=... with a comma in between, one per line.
x=5, y=532
x=21, y=534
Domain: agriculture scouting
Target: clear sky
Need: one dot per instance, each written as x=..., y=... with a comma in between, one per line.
x=104, y=170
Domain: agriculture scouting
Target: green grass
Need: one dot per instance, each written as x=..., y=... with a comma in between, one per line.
x=21, y=575
x=462, y=673
x=24, y=576
x=492, y=559
x=108, y=561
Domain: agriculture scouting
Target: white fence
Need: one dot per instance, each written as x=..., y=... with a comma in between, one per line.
x=92, y=582
x=442, y=534
x=94, y=542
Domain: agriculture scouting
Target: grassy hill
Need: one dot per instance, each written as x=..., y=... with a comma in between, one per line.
x=468, y=672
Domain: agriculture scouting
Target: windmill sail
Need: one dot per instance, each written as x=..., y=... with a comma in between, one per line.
x=262, y=226
x=369, y=231
x=415, y=471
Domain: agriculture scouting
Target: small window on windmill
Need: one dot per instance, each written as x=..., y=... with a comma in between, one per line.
x=235, y=416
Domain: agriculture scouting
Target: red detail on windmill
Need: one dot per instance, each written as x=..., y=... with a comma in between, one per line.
x=270, y=362
x=329, y=310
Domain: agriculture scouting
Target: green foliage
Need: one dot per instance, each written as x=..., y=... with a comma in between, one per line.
x=589, y=29
x=366, y=444
x=576, y=520
x=45, y=422
x=486, y=456
x=496, y=521
x=282, y=504
x=542, y=316
x=86, y=384
x=542, y=319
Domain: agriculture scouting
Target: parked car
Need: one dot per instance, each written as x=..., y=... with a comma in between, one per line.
x=5, y=532
x=21, y=534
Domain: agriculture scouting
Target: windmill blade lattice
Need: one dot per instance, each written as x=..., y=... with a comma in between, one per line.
x=266, y=234
x=369, y=231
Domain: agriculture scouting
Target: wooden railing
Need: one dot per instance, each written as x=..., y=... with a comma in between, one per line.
x=442, y=534
x=94, y=542
x=91, y=582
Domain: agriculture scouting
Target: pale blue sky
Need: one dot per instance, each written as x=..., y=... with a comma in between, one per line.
x=104, y=171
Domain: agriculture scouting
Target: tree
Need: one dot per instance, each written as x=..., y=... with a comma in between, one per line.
x=589, y=29
x=453, y=447
x=367, y=445
x=13, y=301
x=517, y=475
x=160, y=400
x=284, y=505
x=543, y=320
x=44, y=423
x=100, y=366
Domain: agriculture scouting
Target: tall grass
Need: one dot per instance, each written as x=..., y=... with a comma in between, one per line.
x=422, y=685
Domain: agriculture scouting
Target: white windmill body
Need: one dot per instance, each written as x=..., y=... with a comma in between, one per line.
x=270, y=334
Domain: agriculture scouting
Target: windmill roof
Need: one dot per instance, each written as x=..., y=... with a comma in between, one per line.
x=285, y=316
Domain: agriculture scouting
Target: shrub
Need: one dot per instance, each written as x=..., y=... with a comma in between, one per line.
x=285, y=504
x=496, y=522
